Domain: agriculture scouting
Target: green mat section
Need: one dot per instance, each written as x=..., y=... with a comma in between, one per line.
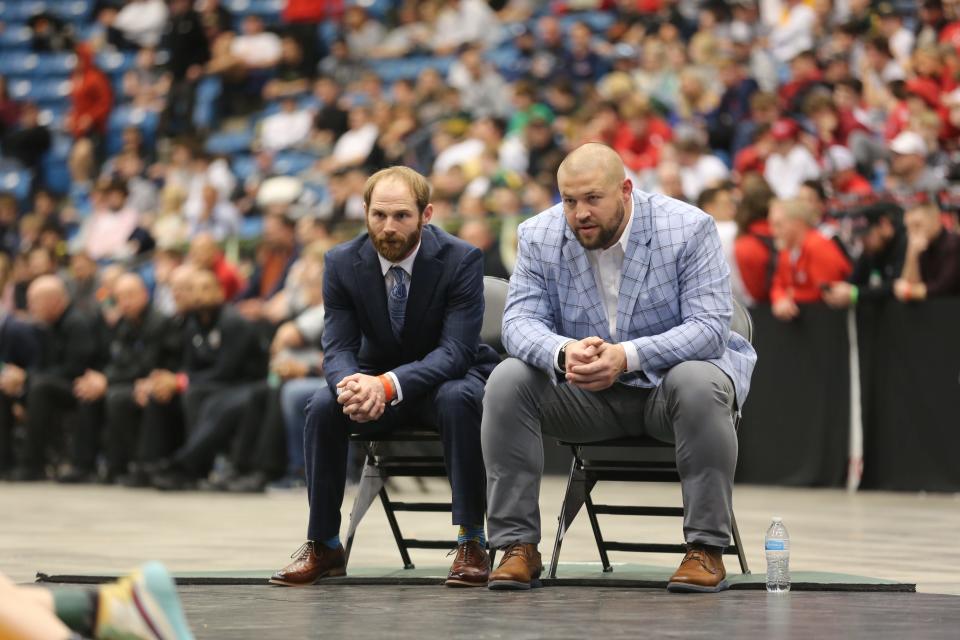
x=585, y=574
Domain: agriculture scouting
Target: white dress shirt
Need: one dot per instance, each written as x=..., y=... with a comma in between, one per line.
x=607, y=267
x=388, y=281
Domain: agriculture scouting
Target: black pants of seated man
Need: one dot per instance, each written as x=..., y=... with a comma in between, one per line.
x=259, y=445
x=211, y=425
x=49, y=400
x=454, y=408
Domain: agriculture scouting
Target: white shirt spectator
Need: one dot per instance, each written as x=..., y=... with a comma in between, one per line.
x=285, y=129
x=785, y=173
x=106, y=233
x=356, y=144
x=222, y=221
x=257, y=50
x=142, y=21
x=794, y=33
x=458, y=154
x=707, y=171
x=465, y=21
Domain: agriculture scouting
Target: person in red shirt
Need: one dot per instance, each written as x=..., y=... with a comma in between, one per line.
x=91, y=96
x=641, y=136
x=205, y=253
x=807, y=260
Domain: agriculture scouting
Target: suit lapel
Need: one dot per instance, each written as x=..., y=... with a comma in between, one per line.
x=635, y=264
x=586, y=284
x=371, y=290
x=427, y=269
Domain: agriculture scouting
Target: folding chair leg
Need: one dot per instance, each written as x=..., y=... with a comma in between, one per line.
x=395, y=528
x=741, y=554
x=595, y=525
x=371, y=482
x=573, y=499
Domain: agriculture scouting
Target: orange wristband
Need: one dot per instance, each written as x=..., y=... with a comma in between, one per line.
x=387, y=386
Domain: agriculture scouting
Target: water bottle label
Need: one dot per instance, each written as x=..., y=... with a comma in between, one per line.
x=776, y=545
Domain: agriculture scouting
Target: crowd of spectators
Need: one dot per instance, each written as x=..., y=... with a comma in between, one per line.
x=173, y=258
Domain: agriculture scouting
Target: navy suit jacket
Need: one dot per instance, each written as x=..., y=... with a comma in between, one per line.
x=440, y=339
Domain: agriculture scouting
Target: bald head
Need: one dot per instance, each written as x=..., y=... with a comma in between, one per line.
x=131, y=296
x=47, y=299
x=204, y=251
x=595, y=159
x=596, y=194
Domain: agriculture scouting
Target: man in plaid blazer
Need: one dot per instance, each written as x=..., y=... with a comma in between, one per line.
x=618, y=324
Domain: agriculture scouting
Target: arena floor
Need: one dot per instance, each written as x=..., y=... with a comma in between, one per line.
x=904, y=537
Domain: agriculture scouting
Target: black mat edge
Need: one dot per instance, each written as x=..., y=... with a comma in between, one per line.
x=547, y=582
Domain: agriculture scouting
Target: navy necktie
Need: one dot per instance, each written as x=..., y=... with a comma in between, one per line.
x=397, y=300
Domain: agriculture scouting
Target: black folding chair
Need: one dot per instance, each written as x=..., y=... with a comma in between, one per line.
x=645, y=467
x=381, y=463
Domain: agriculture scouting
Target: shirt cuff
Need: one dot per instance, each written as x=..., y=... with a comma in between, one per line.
x=633, y=356
x=556, y=356
x=396, y=386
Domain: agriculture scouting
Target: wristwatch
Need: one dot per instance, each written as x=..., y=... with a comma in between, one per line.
x=562, y=358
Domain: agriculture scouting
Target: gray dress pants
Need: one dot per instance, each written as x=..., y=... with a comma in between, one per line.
x=693, y=407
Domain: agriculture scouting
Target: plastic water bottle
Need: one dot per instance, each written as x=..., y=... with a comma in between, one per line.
x=777, y=546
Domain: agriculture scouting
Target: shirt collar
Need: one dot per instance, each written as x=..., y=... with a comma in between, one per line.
x=406, y=264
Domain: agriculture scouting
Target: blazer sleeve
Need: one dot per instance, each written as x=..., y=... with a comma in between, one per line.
x=341, y=334
x=529, y=331
x=459, y=341
x=706, y=307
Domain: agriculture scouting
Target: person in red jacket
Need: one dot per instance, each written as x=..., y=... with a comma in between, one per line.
x=205, y=253
x=754, y=248
x=90, y=95
x=806, y=262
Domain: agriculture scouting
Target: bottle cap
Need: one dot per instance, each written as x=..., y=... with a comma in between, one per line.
x=777, y=519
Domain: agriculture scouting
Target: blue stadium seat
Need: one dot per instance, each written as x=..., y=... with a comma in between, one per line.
x=598, y=21
x=54, y=115
x=15, y=37
x=290, y=163
x=269, y=10
x=128, y=116
x=409, y=68
x=251, y=228
x=115, y=63
x=376, y=8
x=229, y=142
x=243, y=166
x=41, y=91
x=21, y=10
x=17, y=182
x=71, y=10
x=21, y=64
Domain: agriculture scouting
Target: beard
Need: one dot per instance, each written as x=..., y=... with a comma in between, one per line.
x=605, y=234
x=396, y=247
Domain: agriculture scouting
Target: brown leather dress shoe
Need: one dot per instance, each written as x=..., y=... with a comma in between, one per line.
x=701, y=571
x=311, y=562
x=519, y=568
x=471, y=567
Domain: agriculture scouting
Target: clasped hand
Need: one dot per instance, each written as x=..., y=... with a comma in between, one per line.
x=362, y=397
x=594, y=365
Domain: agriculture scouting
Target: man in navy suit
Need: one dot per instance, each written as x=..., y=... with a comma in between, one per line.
x=403, y=310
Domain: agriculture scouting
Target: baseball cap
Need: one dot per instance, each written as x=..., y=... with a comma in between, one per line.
x=909, y=143
x=784, y=129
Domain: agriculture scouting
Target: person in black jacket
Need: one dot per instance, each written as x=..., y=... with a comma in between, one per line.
x=19, y=350
x=69, y=347
x=222, y=356
x=879, y=265
x=142, y=340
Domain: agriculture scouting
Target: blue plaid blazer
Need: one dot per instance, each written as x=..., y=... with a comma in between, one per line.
x=675, y=303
